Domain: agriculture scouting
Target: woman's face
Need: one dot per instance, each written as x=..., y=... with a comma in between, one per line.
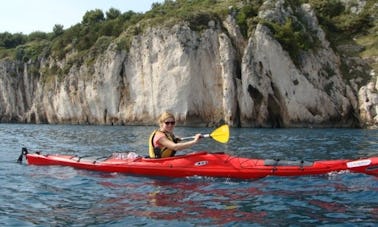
x=168, y=124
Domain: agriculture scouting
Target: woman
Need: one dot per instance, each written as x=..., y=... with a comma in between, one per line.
x=163, y=143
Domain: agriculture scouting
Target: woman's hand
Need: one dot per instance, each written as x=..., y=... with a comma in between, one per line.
x=197, y=137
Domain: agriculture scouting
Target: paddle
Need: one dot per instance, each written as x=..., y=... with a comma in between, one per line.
x=220, y=134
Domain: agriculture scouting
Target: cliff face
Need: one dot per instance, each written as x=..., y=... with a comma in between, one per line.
x=204, y=78
x=279, y=92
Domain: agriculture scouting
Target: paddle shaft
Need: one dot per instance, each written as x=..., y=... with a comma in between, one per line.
x=192, y=137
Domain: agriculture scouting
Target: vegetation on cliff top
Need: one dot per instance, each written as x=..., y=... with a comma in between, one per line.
x=352, y=23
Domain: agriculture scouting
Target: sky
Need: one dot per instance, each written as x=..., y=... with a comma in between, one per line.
x=26, y=16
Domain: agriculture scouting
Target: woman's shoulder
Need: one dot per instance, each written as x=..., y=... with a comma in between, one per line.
x=159, y=134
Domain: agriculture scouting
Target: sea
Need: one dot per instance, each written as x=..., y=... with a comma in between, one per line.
x=64, y=196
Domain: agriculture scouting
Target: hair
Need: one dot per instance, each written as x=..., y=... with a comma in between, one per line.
x=164, y=116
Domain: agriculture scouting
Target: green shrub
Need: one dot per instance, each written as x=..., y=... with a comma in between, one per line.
x=198, y=21
x=32, y=51
x=242, y=18
x=123, y=43
x=37, y=36
x=292, y=36
x=335, y=17
x=8, y=40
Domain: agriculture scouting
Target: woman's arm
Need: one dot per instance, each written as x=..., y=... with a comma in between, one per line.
x=178, y=146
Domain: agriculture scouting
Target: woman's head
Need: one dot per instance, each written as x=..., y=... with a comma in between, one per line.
x=167, y=121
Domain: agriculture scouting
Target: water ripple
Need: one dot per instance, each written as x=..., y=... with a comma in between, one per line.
x=63, y=196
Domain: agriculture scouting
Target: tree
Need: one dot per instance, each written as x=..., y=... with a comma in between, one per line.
x=128, y=15
x=9, y=40
x=37, y=35
x=112, y=14
x=155, y=5
x=58, y=30
x=93, y=16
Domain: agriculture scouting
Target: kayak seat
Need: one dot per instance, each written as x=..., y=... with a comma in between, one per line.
x=278, y=162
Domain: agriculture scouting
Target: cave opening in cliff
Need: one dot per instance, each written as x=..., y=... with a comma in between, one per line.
x=274, y=111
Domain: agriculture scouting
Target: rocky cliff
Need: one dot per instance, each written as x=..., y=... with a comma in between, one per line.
x=204, y=77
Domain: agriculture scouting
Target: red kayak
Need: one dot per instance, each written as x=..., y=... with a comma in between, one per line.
x=203, y=164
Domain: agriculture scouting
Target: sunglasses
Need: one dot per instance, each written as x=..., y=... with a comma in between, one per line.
x=170, y=123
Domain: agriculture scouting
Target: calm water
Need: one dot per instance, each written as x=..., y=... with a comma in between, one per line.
x=63, y=196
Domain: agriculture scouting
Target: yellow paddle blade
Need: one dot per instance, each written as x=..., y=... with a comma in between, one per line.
x=221, y=134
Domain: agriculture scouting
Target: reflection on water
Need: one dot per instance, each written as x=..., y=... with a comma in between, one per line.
x=183, y=200
x=63, y=196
